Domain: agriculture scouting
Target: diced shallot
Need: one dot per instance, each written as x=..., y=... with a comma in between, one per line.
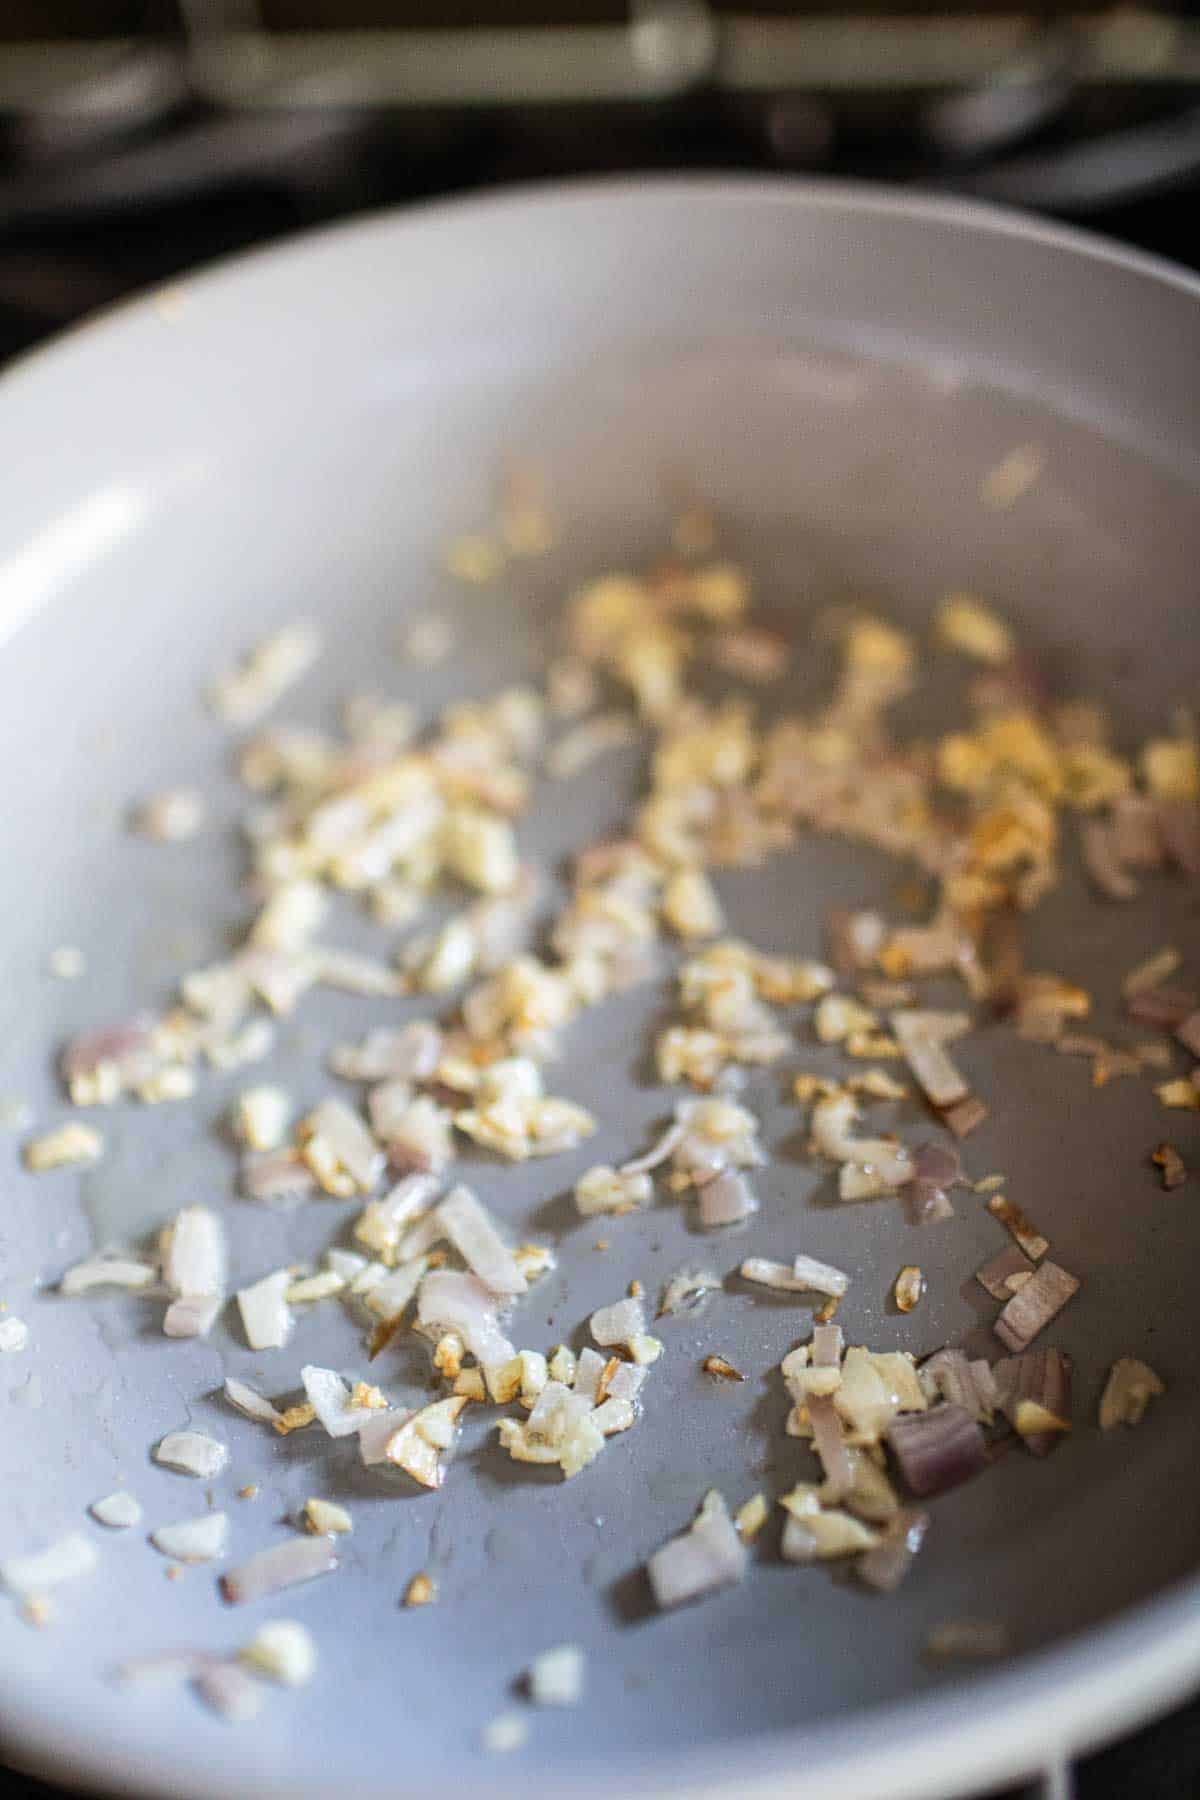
x=1102, y=860
x=193, y=1540
x=726, y=1200
x=191, y=1453
x=266, y=1316
x=1033, y=1306
x=448, y=1301
x=1034, y=1392
x=556, y=1676
x=473, y=1233
x=249, y=1401
x=922, y=1037
x=41, y=1570
x=194, y=1256
x=708, y=1556
x=885, y=1567
x=938, y=1449
x=284, y=1565
x=330, y=1398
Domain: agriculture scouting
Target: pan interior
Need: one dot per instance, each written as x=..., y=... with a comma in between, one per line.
x=838, y=476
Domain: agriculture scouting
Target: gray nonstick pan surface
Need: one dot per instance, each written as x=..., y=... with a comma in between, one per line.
x=298, y=434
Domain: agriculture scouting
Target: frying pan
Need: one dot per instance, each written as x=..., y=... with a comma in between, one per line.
x=298, y=434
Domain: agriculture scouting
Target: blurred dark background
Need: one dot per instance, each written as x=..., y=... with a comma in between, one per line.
x=140, y=137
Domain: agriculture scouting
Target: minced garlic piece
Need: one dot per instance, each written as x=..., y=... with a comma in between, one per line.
x=294, y=1418
x=910, y=1285
x=1129, y=1390
x=261, y=1115
x=73, y=1142
x=690, y=905
x=1171, y=767
x=326, y=1516
x=751, y=1517
x=1181, y=1093
x=420, y=1591
x=966, y=623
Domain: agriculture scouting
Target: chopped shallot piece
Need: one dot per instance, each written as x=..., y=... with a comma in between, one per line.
x=965, y=1116
x=194, y=1254
x=1002, y=1275
x=951, y=1376
x=1136, y=832
x=284, y=1565
x=1164, y=1007
x=472, y=1232
x=1172, y=1165
x=333, y=1401
x=260, y=1117
x=41, y=1570
x=1034, y=1392
x=408, y=1054
x=708, y=1556
x=726, y=1200
x=885, y=1566
x=107, y=1271
x=938, y=1449
x=832, y=1118
x=193, y=1540
x=1128, y=1392
x=507, y=1731
x=605, y=1190
x=922, y=1037
x=353, y=1149
x=449, y=1301
x=812, y=1534
x=282, y=1651
x=1020, y=1225
x=766, y=1273
x=619, y=1323
x=280, y=1175
x=266, y=1317
x=420, y=1444
x=804, y=1276
x=1179, y=822
x=192, y=1454
x=1033, y=1306
x=1101, y=859
x=192, y=1315
x=1152, y=973
x=556, y=1676
x=249, y=1401
x=118, y=1511
x=722, y=1367
x=829, y=1442
x=1188, y=1033
x=230, y=1690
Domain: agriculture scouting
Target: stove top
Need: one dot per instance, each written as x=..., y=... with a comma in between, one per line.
x=127, y=159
